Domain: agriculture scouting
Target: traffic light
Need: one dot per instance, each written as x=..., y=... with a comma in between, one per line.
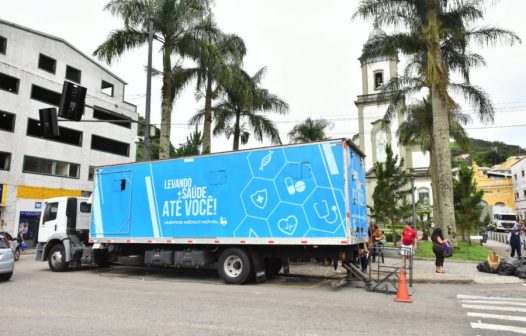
x=72, y=101
x=49, y=122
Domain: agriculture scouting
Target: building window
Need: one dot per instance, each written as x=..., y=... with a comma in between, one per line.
x=109, y=145
x=5, y=161
x=3, y=45
x=47, y=63
x=522, y=173
x=516, y=196
x=73, y=74
x=423, y=195
x=44, y=95
x=67, y=135
x=515, y=177
x=106, y=88
x=7, y=121
x=102, y=114
x=37, y=165
x=91, y=173
x=9, y=83
x=524, y=193
x=378, y=80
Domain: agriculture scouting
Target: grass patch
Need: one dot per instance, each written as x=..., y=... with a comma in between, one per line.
x=475, y=252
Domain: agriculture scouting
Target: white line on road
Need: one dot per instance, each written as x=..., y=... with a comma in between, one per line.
x=488, y=326
x=498, y=317
x=495, y=302
x=473, y=297
x=510, y=309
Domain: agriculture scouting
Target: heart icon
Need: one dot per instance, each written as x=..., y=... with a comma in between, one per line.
x=288, y=225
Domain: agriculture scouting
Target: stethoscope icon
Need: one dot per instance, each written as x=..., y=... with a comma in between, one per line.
x=322, y=210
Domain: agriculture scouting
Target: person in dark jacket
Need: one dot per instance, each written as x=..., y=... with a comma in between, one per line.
x=514, y=238
x=437, y=237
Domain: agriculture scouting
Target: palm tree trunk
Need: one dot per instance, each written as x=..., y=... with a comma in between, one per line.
x=434, y=184
x=237, y=131
x=207, y=126
x=446, y=219
x=166, y=108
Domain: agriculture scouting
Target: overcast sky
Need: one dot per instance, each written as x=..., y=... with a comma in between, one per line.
x=310, y=49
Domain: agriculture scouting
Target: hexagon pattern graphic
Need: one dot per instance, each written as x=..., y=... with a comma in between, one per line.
x=282, y=196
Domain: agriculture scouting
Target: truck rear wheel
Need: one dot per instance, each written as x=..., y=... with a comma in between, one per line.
x=234, y=266
x=57, y=259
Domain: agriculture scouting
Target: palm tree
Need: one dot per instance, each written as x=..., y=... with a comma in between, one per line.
x=214, y=73
x=417, y=129
x=437, y=33
x=309, y=130
x=177, y=24
x=240, y=109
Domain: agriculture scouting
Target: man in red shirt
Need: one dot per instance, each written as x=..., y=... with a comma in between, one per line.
x=409, y=240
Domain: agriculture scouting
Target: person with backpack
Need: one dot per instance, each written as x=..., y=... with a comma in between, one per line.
x=514, y=239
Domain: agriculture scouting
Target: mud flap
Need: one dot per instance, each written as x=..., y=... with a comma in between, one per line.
x=259, y=266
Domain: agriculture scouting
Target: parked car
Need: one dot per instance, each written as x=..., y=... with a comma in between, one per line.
x=7, y=260
x=13, y=242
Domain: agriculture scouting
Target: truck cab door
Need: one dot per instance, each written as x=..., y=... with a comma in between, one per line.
x=49, y=222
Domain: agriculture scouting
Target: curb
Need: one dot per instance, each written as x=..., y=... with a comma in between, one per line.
x=419, y=281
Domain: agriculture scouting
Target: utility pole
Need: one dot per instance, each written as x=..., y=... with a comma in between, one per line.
x=148, y=94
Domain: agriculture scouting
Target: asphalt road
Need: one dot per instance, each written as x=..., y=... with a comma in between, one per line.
x=127, y=301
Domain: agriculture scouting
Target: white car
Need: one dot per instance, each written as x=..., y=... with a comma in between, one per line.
x=7, y=260
x=15, y=246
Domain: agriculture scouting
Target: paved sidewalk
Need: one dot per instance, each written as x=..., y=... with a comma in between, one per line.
x=461, y=272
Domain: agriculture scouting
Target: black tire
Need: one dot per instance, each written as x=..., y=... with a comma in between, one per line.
x=234, y=266
x=57, y=259
x=17, y=254
x=6, y=276
x=272, y=267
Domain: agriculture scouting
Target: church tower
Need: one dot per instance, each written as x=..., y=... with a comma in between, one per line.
x=373, y=137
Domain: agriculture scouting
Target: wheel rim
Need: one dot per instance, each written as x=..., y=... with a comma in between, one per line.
x=56, y=258
x=17, y=254
x=233, y=266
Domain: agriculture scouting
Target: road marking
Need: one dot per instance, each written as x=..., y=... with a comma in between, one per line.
x=495, y=302
x=498, y=317
x=510, y=309
x=473, y=297
x=487, y=326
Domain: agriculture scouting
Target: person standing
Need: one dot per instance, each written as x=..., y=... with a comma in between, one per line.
x=437, y=237
x=514, y=238
x=409, y=240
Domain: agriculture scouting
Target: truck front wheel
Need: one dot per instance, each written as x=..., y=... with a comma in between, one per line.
x=234, y=266
x=57, y=259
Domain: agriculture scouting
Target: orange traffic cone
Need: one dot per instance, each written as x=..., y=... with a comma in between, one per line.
x=402, y=295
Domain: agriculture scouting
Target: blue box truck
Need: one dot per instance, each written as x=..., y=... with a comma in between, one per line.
x=244, y=211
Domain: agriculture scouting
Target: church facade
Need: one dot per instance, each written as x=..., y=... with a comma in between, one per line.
x=373, y=136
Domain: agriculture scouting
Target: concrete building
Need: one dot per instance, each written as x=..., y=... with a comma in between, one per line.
x=33, y=68
x=519, y=187
x=373, y=137
x=496, y=182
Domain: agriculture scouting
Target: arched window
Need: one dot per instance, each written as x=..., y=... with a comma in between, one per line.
x=378, y=79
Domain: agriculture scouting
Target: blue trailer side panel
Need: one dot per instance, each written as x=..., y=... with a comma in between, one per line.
x=282, y=192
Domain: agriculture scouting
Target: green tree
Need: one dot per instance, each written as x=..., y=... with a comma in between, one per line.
x=309, y=131
x=214, y=74
x=389, y=196
x=417, y=129
x=154, y=143
x=437, y=33
x=240, y=110
x=192, y=145
x=178, y=25
x=467, y=202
